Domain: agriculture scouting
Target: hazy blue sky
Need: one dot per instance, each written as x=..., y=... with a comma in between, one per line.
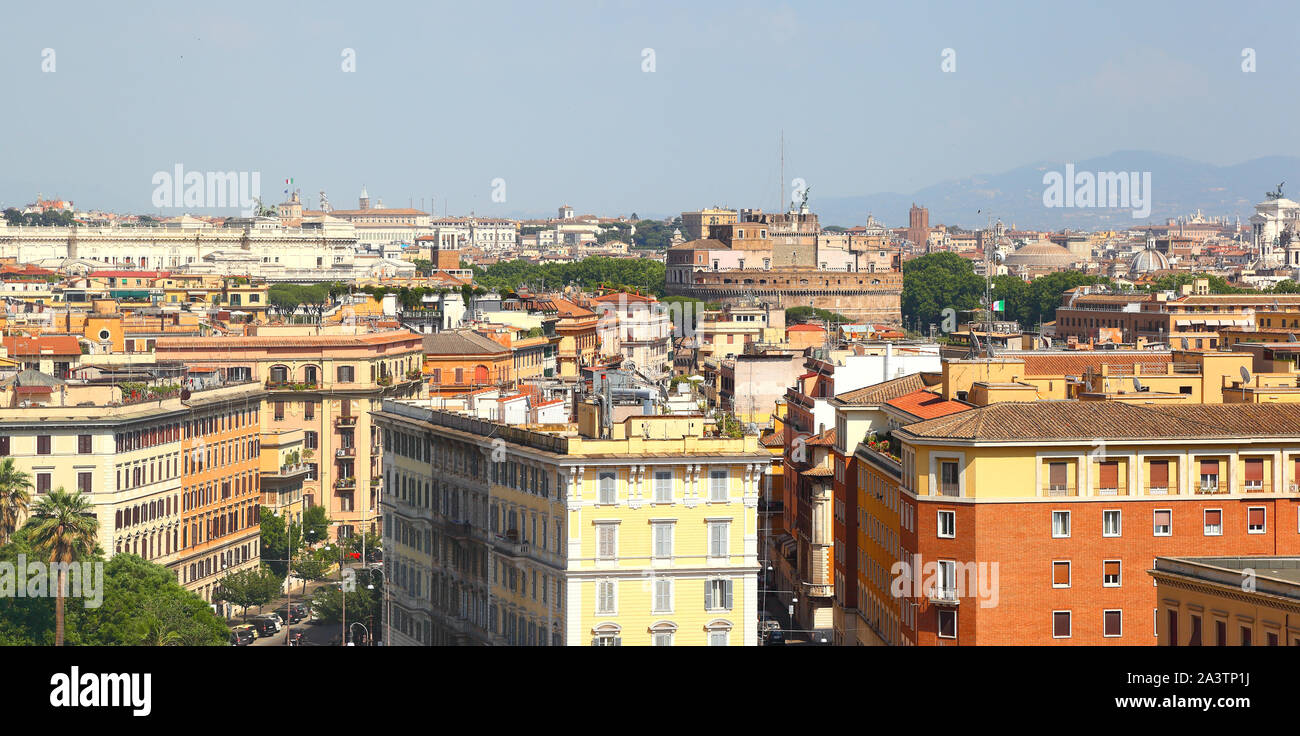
x=551, y=97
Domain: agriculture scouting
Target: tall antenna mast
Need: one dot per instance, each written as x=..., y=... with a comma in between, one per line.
x=780, y=185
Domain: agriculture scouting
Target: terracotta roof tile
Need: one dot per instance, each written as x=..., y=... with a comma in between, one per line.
x=1086, y=421
x=879, y=393
x=927, y=405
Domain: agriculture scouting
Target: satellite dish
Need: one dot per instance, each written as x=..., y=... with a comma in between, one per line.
x=1184, y=342
x=1137, y=384
x=1291, y=336
x=1107, y=385
x=1245, y=374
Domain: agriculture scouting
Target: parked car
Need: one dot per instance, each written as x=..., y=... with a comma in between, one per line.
x=263, y=625
x=770, y=624
x=776, y=638
x=279, y=621
x=289, y=614
x=242, y=635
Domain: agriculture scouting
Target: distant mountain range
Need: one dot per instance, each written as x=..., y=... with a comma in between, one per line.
x=1179, y=186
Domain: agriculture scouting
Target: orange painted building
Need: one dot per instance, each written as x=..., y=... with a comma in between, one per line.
x=459, y=361
x=220, y=489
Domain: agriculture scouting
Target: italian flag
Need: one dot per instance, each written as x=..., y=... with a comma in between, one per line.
x=999, y=306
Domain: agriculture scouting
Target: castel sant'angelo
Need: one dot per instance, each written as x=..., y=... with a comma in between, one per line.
x=786, y=260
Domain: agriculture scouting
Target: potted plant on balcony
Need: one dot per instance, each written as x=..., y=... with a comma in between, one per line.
x=385, y=381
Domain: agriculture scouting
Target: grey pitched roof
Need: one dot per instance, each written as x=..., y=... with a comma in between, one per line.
x=460, y=342
x=30, y=377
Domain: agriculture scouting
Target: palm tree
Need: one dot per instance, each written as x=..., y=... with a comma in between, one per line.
x=67, y=528
x=15, y=496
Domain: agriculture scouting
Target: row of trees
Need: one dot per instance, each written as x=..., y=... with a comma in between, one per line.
x=287, y=300
x=48, y=218
x=589, y=273
x=938, y=281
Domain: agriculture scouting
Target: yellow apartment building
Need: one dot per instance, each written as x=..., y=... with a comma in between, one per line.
x=639, y=530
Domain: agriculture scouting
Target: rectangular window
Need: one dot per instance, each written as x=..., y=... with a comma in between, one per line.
x=663, y=596
x=1209, y=476
x=345, y=374
x=1163, y=523
x=1110, y=523
x=42, y=444
x=663, y=486
x=948, y=480
x=717, y=595
x=1060, y=624
x=1220, y=633
x=1159, y=476
x=947, y=524
x=1112, y=623
x=1109, y=477
x=1213, y=522
x=608, y=486
x=1255, y=520
x=83, y=444
x=84, y=482
x=1060, y=523
x=1195, y=639
x=1246, y=633
x=947, y=624
x=717, y=485
x=4, y=446
x=1110, y=570
x=718, y=538
x=1056, y=484
x=42, y=482
x=1254, y=473
x=1061, y=574
x=606, y=597
x=663, y=539
x=606, y=541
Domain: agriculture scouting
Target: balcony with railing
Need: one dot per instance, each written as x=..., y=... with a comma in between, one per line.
x=942, y=595
x=1059, y=489
x=345, y=452
x=511, y=547
x=819, y=590
x=345, y=421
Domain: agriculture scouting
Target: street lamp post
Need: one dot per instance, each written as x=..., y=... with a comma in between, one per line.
x=384, y=609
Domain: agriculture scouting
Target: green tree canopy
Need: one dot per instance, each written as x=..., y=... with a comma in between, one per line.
x=251, y=587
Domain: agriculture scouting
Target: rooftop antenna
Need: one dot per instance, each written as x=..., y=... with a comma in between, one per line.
x=780, y=184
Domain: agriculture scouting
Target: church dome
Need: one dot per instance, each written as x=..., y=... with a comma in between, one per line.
x=1148, y=260
x=1041, y=254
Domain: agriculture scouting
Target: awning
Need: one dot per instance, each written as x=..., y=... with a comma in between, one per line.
x=34, y=389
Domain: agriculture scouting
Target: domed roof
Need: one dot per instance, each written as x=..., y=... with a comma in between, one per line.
x=1042, y=253
x=1148, y=260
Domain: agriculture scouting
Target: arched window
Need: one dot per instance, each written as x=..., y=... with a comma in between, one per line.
x=719, y=632
x=662, y=632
